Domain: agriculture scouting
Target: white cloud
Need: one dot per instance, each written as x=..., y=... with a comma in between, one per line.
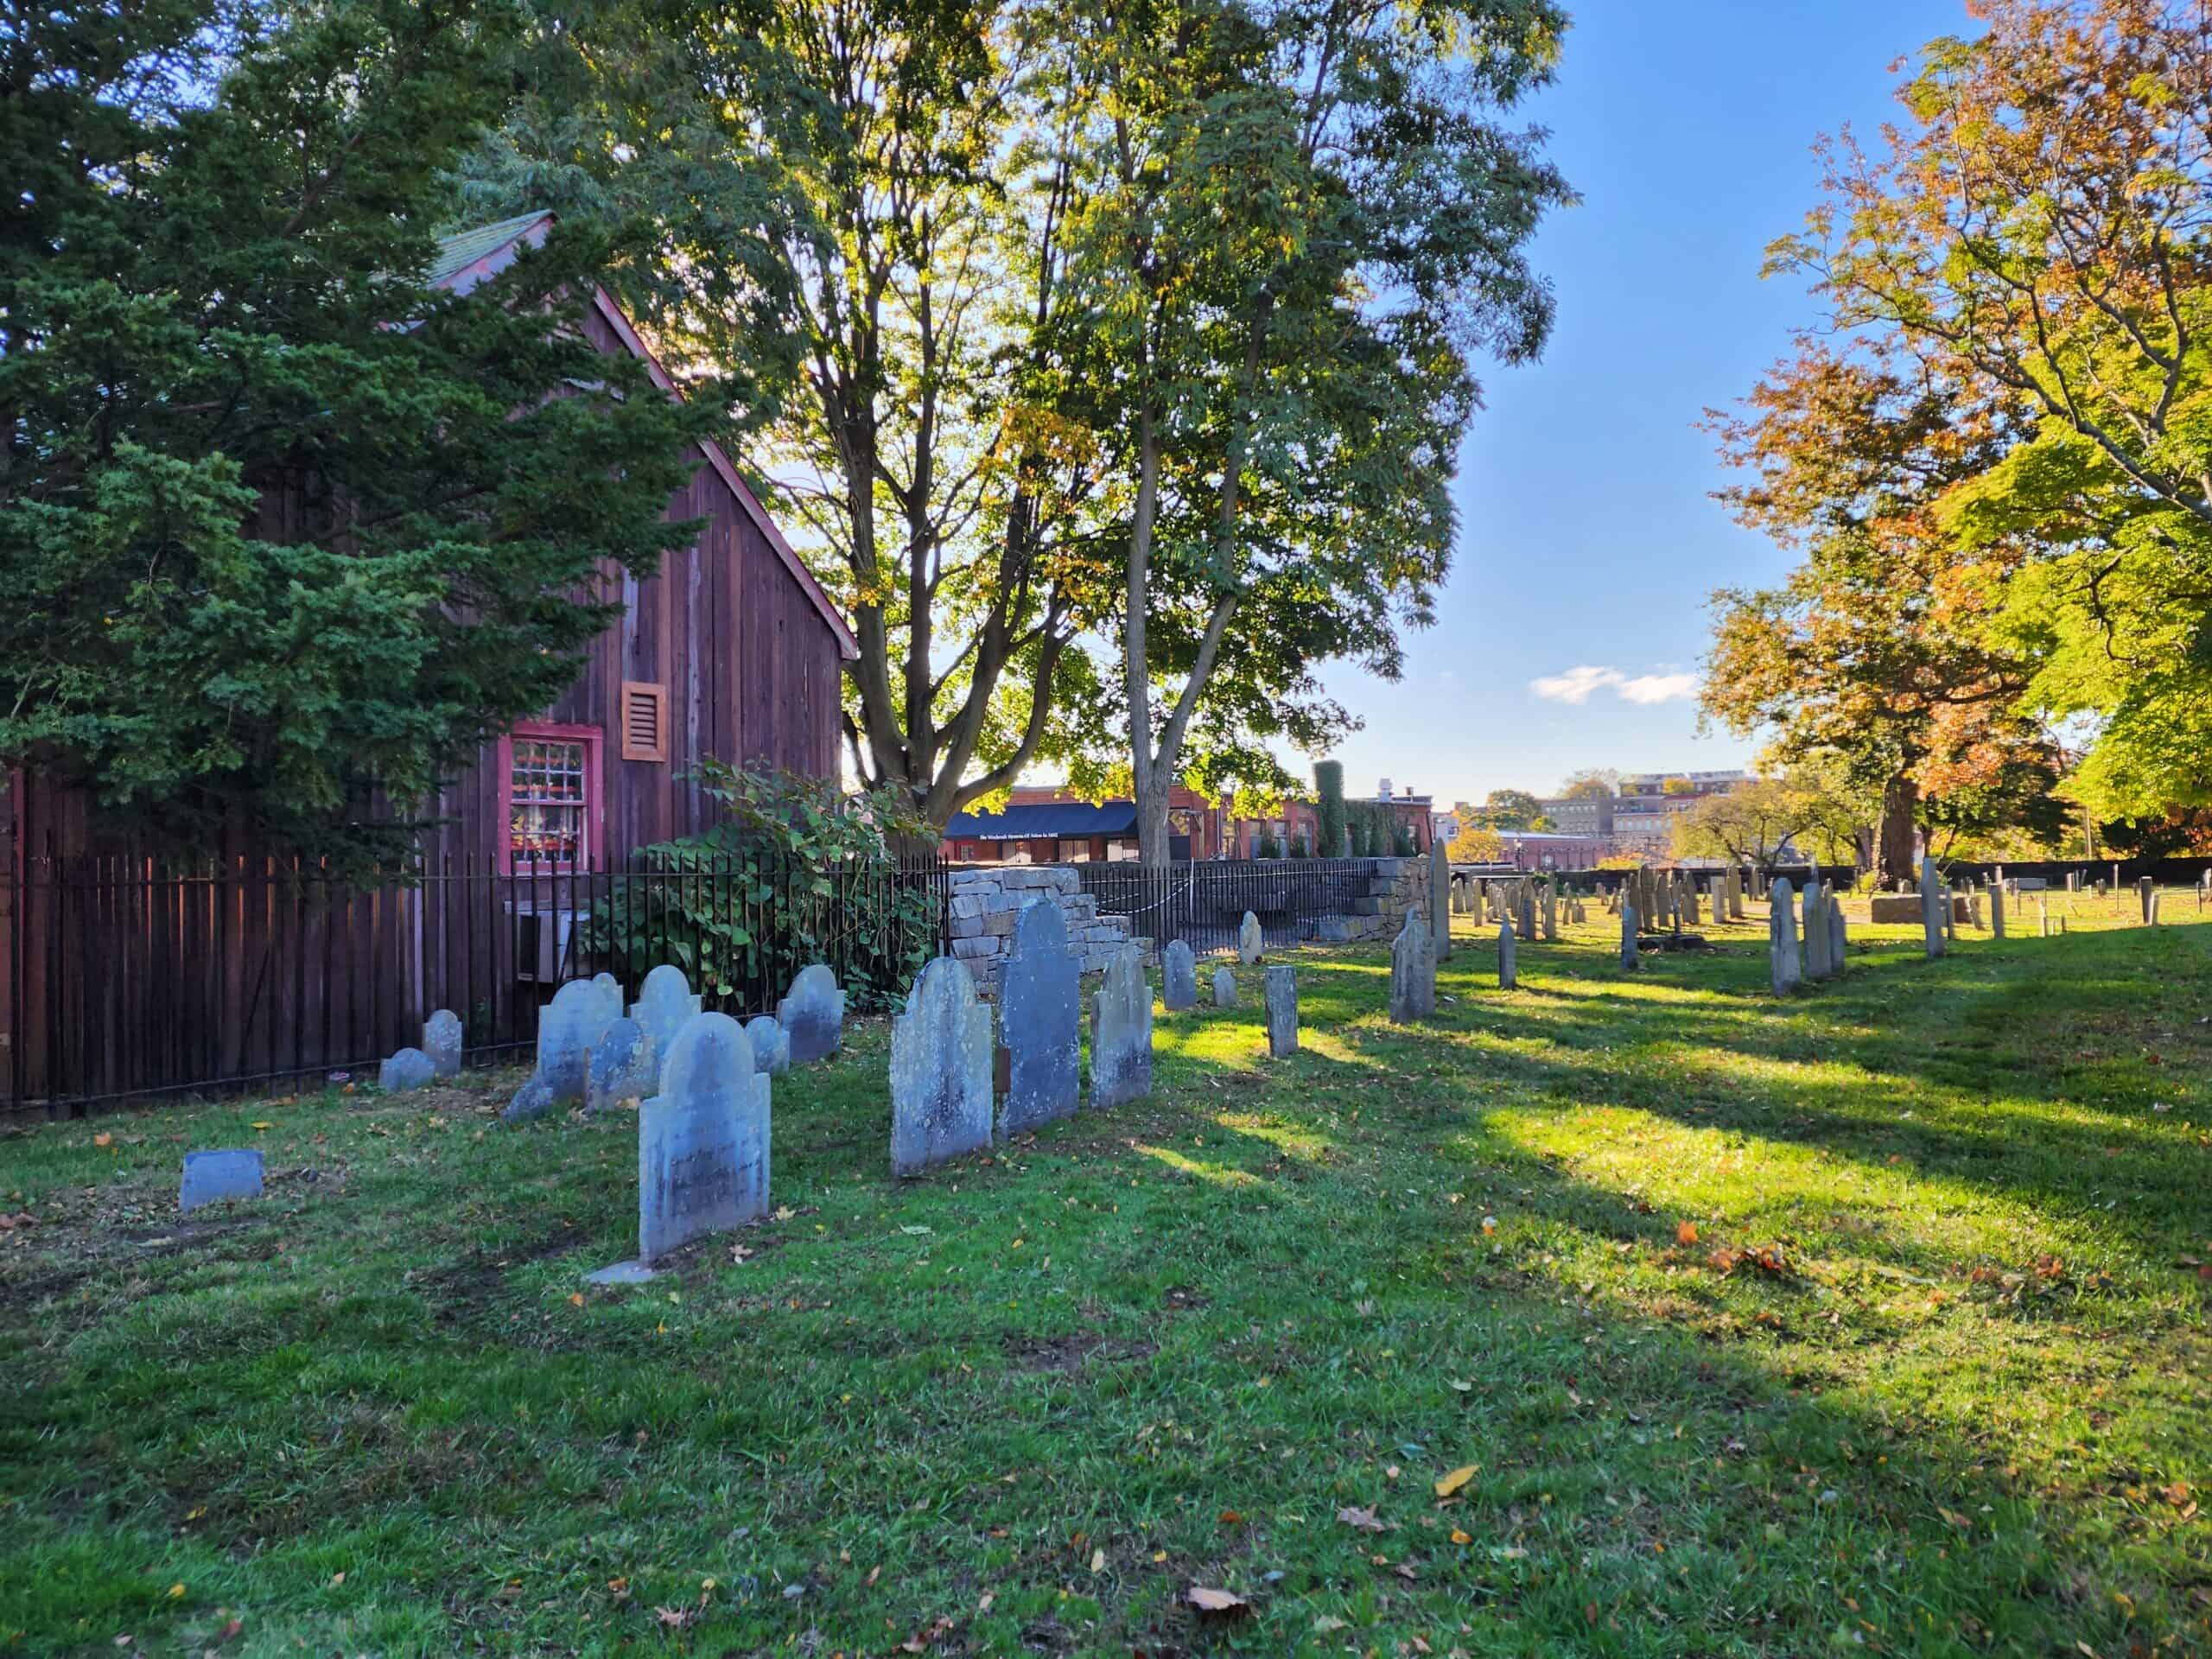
x=1579, y=684
x=1576, y=684
x=1659, y=688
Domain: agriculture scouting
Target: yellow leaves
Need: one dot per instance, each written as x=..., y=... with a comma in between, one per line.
x=176, y=1590
x=261, y=1123
x=102, y=1139
x=1460, y=1537
x=1098, y=1561
x=575, y=1299
x=1447, y=1484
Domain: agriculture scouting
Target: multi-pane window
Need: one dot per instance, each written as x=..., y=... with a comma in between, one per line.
x=549, y=800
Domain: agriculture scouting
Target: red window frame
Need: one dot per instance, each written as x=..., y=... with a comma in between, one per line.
x=595, y=817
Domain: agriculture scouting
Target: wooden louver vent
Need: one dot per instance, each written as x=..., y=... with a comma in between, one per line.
x=644, y=721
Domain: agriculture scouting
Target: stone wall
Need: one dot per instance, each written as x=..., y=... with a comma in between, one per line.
x=1394, y=888
x=986, y=900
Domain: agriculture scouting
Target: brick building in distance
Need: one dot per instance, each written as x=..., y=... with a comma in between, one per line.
x=1050, y=824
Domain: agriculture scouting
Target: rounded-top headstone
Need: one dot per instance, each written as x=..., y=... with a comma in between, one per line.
x=1040, y=1014
x=410, y=1068
x=442, y=1040
x=1179, y=976
x=940, y=1070
x=813, y=1012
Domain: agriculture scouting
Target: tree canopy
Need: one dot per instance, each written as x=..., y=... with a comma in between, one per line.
x=283, y=525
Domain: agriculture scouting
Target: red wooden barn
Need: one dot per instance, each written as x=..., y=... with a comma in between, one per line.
x=119, y=975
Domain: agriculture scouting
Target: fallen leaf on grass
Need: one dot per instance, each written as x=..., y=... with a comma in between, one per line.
x=1329, y=1622
x=1460, y=1537
x=1226, y=1603
x=1365, y=1520
x=1686, y=1232
x=675, y=1618
x=1098, y=1561
x=919, y=1642
x=102, y=1139
x=1452, y=1483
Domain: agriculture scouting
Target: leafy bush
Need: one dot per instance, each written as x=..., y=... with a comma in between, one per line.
x=793, y=874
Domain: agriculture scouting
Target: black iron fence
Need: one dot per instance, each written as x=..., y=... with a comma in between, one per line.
x=129, y=976
x=1203, y=902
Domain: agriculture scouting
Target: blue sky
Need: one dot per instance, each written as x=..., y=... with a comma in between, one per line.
x=1587, y=536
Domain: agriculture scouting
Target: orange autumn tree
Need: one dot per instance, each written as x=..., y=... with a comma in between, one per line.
x=1872, y=655
x=2038, y=234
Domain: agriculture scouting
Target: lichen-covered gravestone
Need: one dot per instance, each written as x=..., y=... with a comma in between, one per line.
x=410, y=1068
x=213, y=1177
x=1178, y=977
x=664, y=1003
x=1041, y=1019
x=940, y=1070
x=1224, y=987
x=569, y=1028
x=702, y=1144
x=1507, y=976
x=1251, y=943
x=1439, y=889
x=1121, y=1031
x=1781, y=937
x=1412, y=971
x=441, y=1041
x=1282, y=1010
x=771, y=1043
x=813, y=1012
x=625, y=1065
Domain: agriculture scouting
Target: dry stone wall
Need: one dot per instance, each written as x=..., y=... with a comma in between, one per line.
x=987, y=902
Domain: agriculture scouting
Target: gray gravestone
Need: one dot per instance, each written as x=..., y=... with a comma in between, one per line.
x=1439, y=891
x=1121, y=1031
x=1629, y=958
x=1997, y=912
x=1250, y=943
x=1782, y=936
x=1507, y=978
x=1816, y=930
x=625, y=1065
x=442, y=1040
x=664, y=1003
x=1412, y=971
x=771, y=1043
x=702, y=1141
x=1550, y=918
x=1224, y=987
x=1178, y=977
x=1041, y=1017
x=610, y=995
x=1839, y=936
x=569, y=1028
x=813, y=1012
x=1282, y=1011
x=213, y=1177
x=940, y=1070
x=1934, y=907
x=410, y=1068
x=2144, y=897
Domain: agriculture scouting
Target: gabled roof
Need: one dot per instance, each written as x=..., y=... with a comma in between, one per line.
x=469, y=258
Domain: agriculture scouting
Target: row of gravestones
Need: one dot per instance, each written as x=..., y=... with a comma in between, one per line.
x=1533, y=908
x=702, y=1161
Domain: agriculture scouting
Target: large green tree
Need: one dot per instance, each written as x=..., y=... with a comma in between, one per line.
x=1294, y=224
x=283, y=525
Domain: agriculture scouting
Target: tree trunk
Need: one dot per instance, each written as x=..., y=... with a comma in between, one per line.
x=1893, y=856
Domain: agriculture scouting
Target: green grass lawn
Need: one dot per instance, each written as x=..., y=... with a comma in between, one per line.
x=1869, y=1321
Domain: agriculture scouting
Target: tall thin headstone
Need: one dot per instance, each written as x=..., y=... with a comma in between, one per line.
x=2146, y=897
x=1782, y=936
x=1412, y=971
x=1997, y=912
x=940, y=1070
x=1440, y=898
x=1282, y=1011
x=1551, y=912
x=1507, y=977
x=1040, y=1014
x=1815, y=903
x=1121, y=1031
x=1933, y=905
x=1839, y=935
x=1630, y=957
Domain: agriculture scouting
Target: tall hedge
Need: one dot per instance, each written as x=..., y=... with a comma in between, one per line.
x=1329, y=806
